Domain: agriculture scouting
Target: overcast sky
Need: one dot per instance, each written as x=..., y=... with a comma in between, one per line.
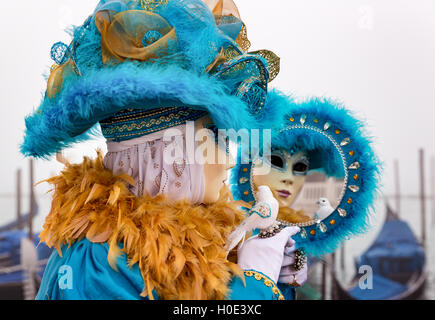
x=377, y=57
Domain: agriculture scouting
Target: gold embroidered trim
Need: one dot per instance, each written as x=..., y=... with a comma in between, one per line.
x=121, y=118
x=172, y=124
x=146, y=123
x=151, y=5
x=267, y=282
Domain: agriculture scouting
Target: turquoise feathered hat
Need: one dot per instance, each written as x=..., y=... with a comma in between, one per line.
x=136, y=67
x=336, y=144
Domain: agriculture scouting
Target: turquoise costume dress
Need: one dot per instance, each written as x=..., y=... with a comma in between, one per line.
x=83, y=273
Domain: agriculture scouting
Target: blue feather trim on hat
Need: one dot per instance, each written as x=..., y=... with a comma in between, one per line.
x=83, y=90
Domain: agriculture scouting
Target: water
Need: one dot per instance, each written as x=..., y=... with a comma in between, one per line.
x=410, y=212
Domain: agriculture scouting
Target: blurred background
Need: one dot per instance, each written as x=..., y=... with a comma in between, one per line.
x=376, y=57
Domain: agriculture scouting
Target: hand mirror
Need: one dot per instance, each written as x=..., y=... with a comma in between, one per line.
x=322, y=171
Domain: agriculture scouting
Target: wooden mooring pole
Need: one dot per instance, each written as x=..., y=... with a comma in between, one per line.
x=32, y=200
x=18, y=199
x=332, y=272
x=432, y=184
x=397, y=185
x=343, y=257
x=422, y=198
x=324, y=273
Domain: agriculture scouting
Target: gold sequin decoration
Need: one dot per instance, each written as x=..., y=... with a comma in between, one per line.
x=273, y=61
x=267, y=282
x=151, y=5
x=242, y=39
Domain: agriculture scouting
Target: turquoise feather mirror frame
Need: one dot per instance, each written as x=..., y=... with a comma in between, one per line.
x=337, y=147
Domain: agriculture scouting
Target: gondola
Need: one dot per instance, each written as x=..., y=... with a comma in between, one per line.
x=22, y=261
x=22, y=264
x=398, y=264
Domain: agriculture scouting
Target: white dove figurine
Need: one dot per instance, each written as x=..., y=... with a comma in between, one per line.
x=325, y=209
x=262, y=216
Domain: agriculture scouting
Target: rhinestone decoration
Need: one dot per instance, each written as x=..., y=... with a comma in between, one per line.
x=327, y=126
x=303, y=233
x=342, y=212
x=355, y=177
x=313, y=232
x=243, y=180
x=354, y=188
x=349, y=201
x=270, y=232
x=345, y=142
x=59, y=53
x=300, y=259
x=264, y=211
x=354, y=166
x=150, y=37
x=352, y=153
x=303, y=119
x=332, y=222
x=322, y=227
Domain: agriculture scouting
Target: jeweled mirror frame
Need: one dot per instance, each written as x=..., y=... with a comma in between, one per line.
x=338, y=148
x=361, y=169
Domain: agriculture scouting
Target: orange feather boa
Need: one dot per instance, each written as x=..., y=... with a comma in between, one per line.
x=179, y=247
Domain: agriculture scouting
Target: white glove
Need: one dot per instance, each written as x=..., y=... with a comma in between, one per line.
x=266, y=255
x=288, y=274
x=262, y=216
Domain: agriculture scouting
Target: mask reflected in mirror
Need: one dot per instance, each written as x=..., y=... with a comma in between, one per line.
x=305, y=194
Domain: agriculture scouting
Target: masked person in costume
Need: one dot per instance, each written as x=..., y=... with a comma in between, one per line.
x=324, y=174
x=132, y=224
